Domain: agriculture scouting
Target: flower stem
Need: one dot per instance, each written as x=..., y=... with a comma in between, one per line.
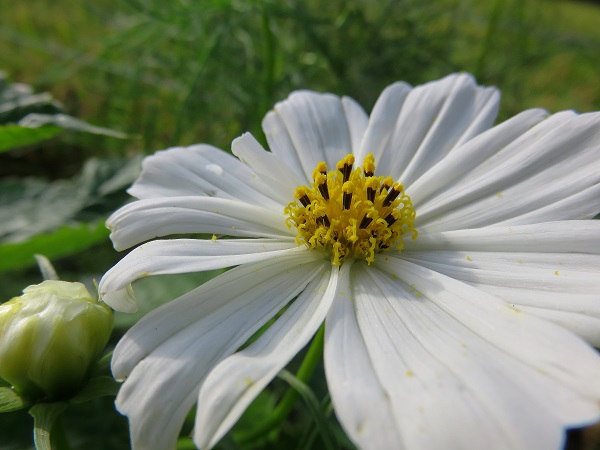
x=59, y=435
x=312, y=358
x=269, y=65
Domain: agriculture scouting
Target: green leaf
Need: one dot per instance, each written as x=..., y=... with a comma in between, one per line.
x=102, y=366
x=63, y=241
x=314, y=408
x=33, y=206
x=20, y=103
x=63, y=217
x=35, y=120
x=13, y=136
x=44, y=416
x=96, y=387
x=11, y=401
x=259, y=411
x=185, y=443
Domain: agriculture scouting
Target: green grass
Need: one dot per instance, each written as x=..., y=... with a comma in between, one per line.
x=176, y=73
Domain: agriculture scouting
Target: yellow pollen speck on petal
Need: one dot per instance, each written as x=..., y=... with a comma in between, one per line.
x=360, y=428
x=556, y=273
x=214, y=237
x=499, y=194
x=351, y=213
x=233, y=227
x=469, y=258
x=410, y=373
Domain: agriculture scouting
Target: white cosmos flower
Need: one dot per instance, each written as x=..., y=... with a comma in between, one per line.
x=473, y=335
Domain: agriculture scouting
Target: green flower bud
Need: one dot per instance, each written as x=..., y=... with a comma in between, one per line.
x=49, y=338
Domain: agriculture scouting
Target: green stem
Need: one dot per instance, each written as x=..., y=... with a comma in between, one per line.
x=488, y=38
x=269, y=64
x=47, y=422
x=285, y=406
x=59, y=435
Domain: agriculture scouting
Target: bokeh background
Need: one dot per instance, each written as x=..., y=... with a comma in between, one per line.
x=170, y=73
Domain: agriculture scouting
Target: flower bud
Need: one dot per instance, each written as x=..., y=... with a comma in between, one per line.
x=50, y=337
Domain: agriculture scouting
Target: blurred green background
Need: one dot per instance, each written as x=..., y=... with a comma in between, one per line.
x=184, y=71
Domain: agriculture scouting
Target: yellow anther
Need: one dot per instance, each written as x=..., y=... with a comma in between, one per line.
x=372, y=183
x=302, y=195
x=355, y=215
x=369, y=165
x=347, y=188
x=321, y=168
x=395, y=190
x=320, y=178
x=345, y=166
x=301, y=191
x=347, y=160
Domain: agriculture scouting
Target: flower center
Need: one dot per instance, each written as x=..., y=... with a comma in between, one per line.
x=351, y=213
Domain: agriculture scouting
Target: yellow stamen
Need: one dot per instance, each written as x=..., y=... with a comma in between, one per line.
x=345, y=166
x=369, y=165
x=351, y=213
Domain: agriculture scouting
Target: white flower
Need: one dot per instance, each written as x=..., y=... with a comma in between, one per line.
x=473, y=335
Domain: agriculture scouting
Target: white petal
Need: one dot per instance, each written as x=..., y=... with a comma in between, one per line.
x=553, y=268
x=581, y=205
x=281, y=144
x=237, y=380
x=562, y=272
x=581, y=236
x=562, y=287
x=586, y=326
x=381, y=123
x=361, y=405
x=160, y=324
x=276, y=172
x=466, y=157
x=553, y=161
x=166, y=356
x=189, y=255
x=466, y=371
x=436, y=118
x=432, y=407
x=357, y=121
x=312, y=126
x=146, y=219
x=411, y=130
x=123, y=300
x=554, y=352
x=201, y=170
